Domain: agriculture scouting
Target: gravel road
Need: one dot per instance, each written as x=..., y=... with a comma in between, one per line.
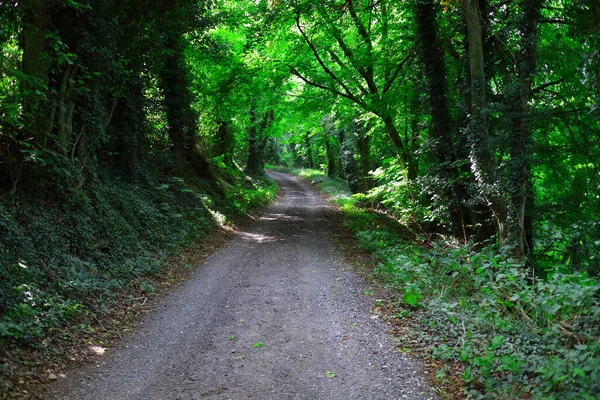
x=275, y=314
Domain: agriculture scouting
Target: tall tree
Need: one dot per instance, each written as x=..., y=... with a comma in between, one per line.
x=446, y=167
x=352, y=57
x=257, y=141
x=520, y=229
x=481, y=151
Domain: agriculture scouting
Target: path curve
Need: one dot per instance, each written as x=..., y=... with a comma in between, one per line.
x=280, y=284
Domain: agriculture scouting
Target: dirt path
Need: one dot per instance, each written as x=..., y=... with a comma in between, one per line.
x=268, y=316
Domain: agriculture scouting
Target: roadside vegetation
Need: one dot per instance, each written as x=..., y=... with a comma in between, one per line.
x=513, y=334
x=77, y=271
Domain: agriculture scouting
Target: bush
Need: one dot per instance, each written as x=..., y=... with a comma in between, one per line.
x=515, y=333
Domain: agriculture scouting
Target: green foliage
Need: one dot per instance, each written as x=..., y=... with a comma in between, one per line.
x=254, y=194
x=397, y=194
x=109, y=113
x=514, y=333
x=66, y=261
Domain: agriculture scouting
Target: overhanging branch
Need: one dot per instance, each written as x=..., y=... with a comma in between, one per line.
x=327, y=70
x=547, y=84
x=352, y=98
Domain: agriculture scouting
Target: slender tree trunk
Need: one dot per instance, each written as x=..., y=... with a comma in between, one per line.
x=310, y=160
x=64, y=107
x=274, y=151
x=128, y=145
x=392, y=131
x=36, y=66
x=257, y=142
x=332, y=170
x=252, y=165
x=180, y=116
x=482, y=163
x=483, y=223
x=225, y=146
x=353, y=142
x=435, y=72
x=363, y=145
x=520, y=228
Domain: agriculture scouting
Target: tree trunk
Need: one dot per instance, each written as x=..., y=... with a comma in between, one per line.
x=252, y=165
x=225, y=146
x=520, y=229
x=364, y=154
x=394, y=135
x=257, y=142
x=435, y=72
x=128, y=146
x=180, y=117
x=310, y=161
x=64, y=107
x=331, y=157
x=482, y=163
x=36, y=66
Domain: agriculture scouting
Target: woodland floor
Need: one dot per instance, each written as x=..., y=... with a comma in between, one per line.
x=275, y=314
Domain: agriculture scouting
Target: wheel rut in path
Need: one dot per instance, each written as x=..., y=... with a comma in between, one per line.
x=274, y=314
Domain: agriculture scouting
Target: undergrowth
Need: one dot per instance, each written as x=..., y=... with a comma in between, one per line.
x=516, y=335
x=68, y=261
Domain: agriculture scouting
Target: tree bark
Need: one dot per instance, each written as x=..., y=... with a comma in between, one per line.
x=482, y=163
x=520, y=229
x=180, y=117
x=225, y=147
x=364, y=154
x=435, y=73
x=331, y=170
x=310, y=160
x=36, y=66
x=257, y=142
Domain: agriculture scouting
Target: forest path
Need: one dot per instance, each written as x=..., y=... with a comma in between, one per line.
x=272, y=315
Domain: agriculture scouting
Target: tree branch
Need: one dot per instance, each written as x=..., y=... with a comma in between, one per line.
x=390, y=82
x=329, y=89
x=554, y=21
x=350, y=56
x=361, y=29
x=329, y=72
x=339, y=62
x=368, y=75
x=547, y=84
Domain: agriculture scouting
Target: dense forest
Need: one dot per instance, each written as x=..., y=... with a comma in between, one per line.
x=129, y=128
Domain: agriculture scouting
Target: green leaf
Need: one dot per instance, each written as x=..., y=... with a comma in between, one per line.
x=497, y=341
x=510, y=364
x=330, y=374
x=467, y=376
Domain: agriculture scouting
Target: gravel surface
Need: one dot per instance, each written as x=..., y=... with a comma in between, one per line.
x=275, y=314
